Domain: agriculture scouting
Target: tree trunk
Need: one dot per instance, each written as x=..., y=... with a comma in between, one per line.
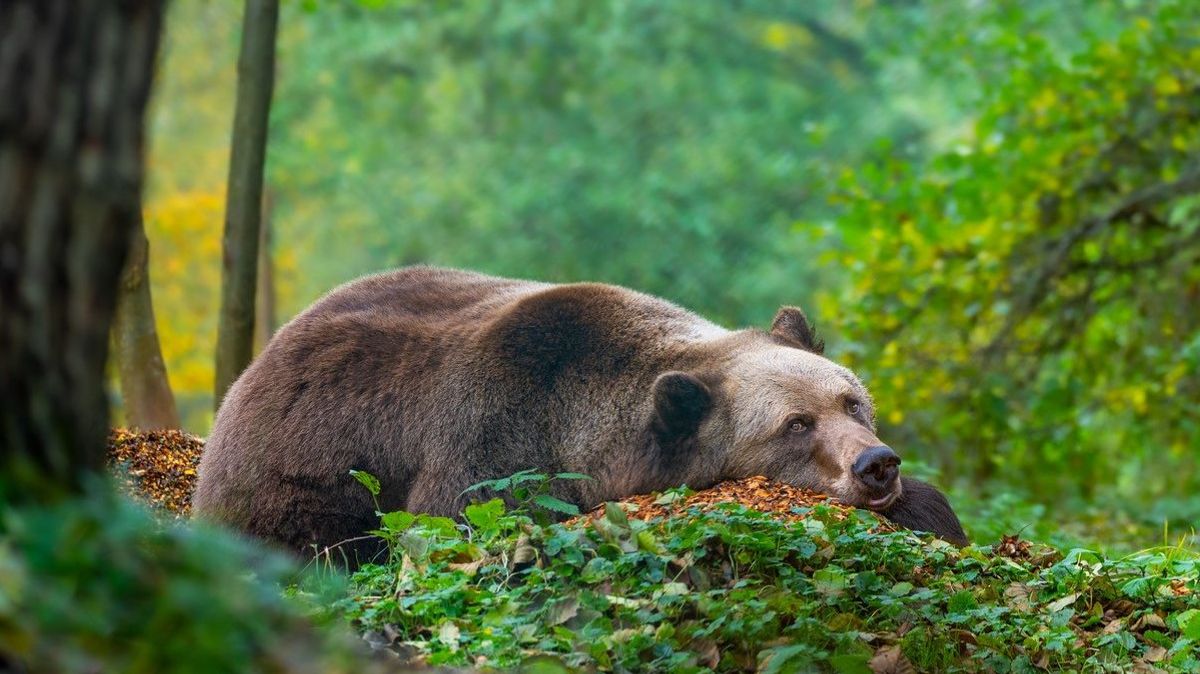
x=74, y=81
x=264, y=309
x=256, y=77
x=145, y=389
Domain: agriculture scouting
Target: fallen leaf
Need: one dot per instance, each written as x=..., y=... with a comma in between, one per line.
x=1155, y=654
x=523, y=552
x=1148, y=621
x=1060, y=604
x=707, y=653
x=562, y=611
x=1114, y=626
x=965, y=637
x=890, y=660
x=1017, y=595
x=449, y=634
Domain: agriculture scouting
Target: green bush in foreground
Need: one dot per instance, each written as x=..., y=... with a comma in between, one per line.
x=736, y=590
x=101, y=585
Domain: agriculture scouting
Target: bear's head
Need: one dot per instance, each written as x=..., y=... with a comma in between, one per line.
x=771, y=404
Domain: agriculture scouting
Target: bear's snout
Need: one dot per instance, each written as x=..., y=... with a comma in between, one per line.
x=878, y=469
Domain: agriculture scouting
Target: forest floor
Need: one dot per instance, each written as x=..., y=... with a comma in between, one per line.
x=748, y=576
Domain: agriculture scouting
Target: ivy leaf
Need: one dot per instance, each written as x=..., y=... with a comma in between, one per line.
x=367, y=480
x=830, y=581
x=524, y=476
x=398, y=521
x=791, y=658
x=573, y=476
x=556, y=504
x=1189, y=623
x=440, y=526
x=850, y=663
x=484, y=516
x=616, y=516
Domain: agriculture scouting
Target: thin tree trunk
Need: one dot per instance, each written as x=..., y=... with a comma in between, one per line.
x=145, y=389
x=256, y=77
x=264, y=310
x=74, y=81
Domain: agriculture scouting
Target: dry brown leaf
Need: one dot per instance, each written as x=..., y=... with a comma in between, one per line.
x=523, y=551
x=158, y=467
x=1017, y=595
x=1179, y=587
x=1141, y=666
x=1147, y=622
x=890, y=660
x=965, y=637
x=1013, y=547
x=757, y=493
x=1155, y=654
x=707, y=653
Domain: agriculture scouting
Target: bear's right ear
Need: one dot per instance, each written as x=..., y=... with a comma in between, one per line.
x=681, y=402
x=792, y=326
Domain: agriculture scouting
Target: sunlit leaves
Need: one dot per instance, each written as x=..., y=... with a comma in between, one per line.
x=1016, y=299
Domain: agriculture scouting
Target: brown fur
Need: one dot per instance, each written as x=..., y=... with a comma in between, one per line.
x=923, y=508
x=435, y=379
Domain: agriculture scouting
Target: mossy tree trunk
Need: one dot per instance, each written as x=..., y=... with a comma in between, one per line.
x=74, y=82
x=145, y=390
x=256, y=78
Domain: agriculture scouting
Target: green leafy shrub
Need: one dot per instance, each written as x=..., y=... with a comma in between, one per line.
x=736, y=590
x=1019, y=298
x=101, y=585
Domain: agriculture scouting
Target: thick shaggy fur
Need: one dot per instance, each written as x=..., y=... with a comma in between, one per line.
x=435, y=379
x=923, y=508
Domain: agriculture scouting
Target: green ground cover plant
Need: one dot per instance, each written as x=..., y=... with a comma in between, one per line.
x=738, y=590
x=102, y=584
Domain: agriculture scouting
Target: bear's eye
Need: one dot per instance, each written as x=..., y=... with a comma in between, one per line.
x=797, y=426
x=853, y=407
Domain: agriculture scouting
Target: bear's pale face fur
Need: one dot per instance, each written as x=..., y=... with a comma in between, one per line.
x=436, y=379
x=772, y=387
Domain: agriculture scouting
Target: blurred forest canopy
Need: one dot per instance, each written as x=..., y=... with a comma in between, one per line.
x=988, y=206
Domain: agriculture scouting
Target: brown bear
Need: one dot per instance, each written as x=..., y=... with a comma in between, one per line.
x=436, y=379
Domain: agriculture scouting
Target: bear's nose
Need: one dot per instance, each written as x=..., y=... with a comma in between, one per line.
x=877, y=467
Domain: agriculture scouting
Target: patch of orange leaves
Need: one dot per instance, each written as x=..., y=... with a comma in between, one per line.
x=156, y=466
x=757, y=493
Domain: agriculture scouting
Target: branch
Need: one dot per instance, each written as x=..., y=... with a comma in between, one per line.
x=1055, y=266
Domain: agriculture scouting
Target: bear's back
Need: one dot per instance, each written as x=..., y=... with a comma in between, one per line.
x=432, y=379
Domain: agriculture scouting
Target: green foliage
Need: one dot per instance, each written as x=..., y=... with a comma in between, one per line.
x=736, y=590
x=530, y=491
x=99, y=584
x=678, y=138
x=1019, y=301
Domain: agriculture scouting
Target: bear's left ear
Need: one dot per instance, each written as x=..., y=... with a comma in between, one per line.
x=681, y=402
x=792, y=326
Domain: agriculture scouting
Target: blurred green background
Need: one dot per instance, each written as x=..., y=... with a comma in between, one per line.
x=989, y=208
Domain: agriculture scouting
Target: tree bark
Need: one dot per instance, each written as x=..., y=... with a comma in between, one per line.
x=145, y=390
x=256, y=77
x=74, y=82
x=264, y=309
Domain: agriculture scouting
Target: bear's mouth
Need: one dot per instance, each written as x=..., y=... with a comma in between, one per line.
x=883, y=502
